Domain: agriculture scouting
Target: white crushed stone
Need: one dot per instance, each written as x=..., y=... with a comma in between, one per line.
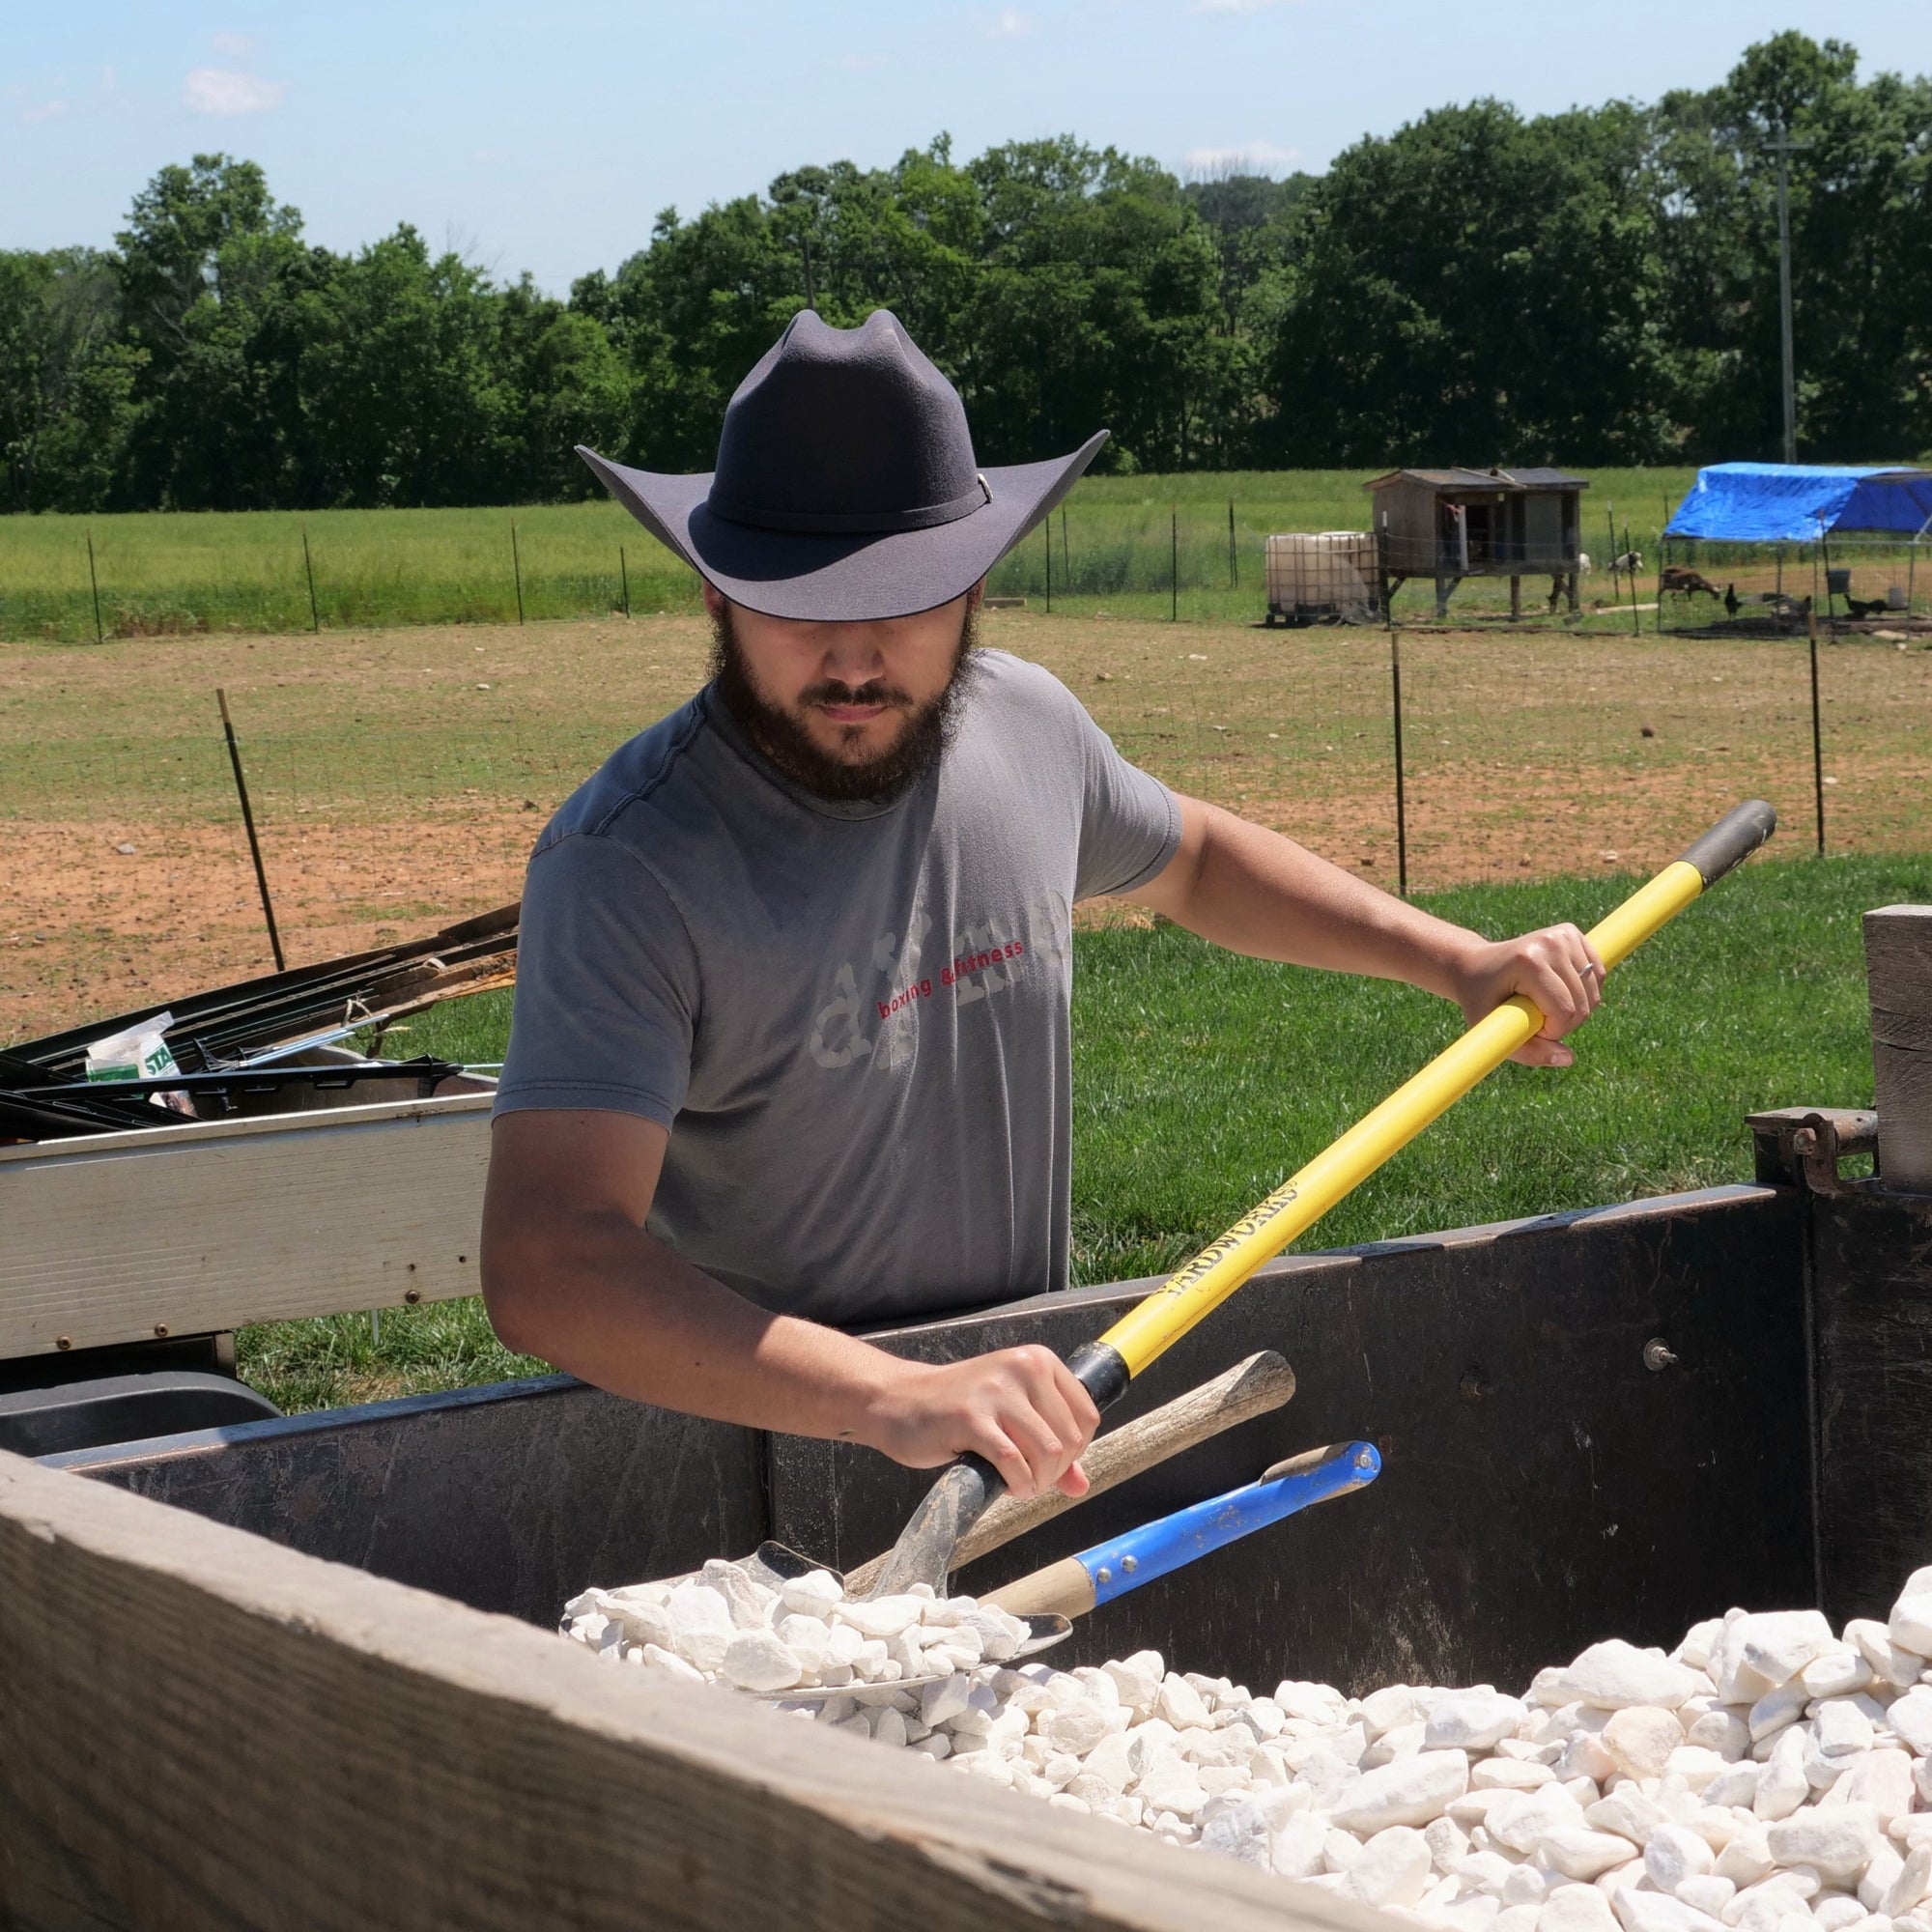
x=1767, y=1776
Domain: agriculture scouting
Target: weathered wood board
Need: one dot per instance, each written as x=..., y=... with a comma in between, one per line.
x=198, y=1728
x=182, y=1230
x=1898, y=960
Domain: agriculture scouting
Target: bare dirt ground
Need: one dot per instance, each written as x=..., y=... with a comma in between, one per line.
x=399, y=776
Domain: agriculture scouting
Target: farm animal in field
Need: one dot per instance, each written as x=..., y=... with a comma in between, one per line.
x=1686, y=582
x=1785, y=606
x=1731, y=604
x=1863, y=606
x=1582, y=563
x=1630, y=562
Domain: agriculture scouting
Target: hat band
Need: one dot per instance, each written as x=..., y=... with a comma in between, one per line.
x=849, y=522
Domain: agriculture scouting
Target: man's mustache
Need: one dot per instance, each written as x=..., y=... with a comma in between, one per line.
x=874, y=691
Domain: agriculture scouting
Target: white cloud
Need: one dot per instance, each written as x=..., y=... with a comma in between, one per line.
x=863, y=63
x=234, y=46
x=1011, y=25
x=44, y=112
x=222, y=91
x=1253, y=157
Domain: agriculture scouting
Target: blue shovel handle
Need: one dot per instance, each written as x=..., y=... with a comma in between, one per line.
x=1157, y=1548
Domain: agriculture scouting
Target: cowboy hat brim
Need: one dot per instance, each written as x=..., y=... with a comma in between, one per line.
x=844, y=579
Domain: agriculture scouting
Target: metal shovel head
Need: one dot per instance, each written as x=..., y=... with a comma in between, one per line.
x=1044, y=1630
x=770, y=1564
x=773, y=1563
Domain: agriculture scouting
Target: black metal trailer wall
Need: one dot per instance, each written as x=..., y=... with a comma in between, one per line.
x=1549, y=1477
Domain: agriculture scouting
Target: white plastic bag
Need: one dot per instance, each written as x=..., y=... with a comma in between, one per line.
x=139, y=1052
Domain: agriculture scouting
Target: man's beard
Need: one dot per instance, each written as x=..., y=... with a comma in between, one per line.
x=781, y=733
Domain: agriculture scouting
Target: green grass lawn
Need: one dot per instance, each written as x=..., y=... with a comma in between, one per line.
x=1200, y=1080
x=160, y=572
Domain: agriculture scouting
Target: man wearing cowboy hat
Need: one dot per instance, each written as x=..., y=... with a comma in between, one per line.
x=792, y=1049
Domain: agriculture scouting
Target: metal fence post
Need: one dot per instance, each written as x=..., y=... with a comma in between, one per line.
x=1173, y=565
x=1049, y=565
x=248, y=826
x=1817, y=729
x=1401, y=800
x=624, y=578
x=308, y=570
x=517, y=565
x=95, y=581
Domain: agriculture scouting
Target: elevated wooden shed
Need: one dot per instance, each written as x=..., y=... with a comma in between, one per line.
x=1447, y=525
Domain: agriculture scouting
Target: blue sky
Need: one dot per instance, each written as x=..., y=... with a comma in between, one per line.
x=547, y=138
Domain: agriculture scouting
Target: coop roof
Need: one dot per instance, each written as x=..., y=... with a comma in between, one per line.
x=1490, y=480
x=1799, y=502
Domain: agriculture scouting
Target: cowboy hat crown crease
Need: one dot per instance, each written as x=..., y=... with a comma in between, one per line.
x=845, y=432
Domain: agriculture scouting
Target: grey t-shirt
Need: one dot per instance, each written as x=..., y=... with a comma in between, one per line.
x=852, y=1017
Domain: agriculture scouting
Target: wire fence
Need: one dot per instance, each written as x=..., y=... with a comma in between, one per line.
x=1867, y=585
x=395, y=792
x=64, y=580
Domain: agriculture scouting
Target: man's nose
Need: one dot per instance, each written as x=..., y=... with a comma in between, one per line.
x=854, y=657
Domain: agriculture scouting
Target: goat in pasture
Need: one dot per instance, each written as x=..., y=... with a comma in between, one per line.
x=1686, y=582
x=1630, y=562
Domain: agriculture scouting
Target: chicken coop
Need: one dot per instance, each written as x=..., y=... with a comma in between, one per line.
x=1448, y=525
x=1758, y=548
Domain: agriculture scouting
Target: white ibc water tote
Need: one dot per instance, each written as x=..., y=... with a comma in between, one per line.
x=1321, y=574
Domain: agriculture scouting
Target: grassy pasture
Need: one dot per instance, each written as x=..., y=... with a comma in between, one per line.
x=1202, y=1079
x=400, y=776
x=166, y=574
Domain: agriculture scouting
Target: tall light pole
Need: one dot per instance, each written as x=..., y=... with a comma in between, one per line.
x=1784, y=148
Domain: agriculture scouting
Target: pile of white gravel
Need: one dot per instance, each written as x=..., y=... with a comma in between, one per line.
x=1766, y=1771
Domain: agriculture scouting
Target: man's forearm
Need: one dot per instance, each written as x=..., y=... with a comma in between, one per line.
x=608, y=1302
x=1254, y=891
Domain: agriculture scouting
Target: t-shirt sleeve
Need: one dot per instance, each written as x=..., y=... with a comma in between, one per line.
x=1129, y=821
x=607, y=987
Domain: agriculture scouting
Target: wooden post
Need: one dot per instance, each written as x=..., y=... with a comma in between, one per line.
x=1516, y=598
x=1898, y=960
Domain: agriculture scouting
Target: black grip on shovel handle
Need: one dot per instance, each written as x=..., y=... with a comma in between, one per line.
x=1731, y=841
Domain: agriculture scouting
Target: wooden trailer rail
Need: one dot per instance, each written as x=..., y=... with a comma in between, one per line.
x=200, y=1728
x=196, y=1229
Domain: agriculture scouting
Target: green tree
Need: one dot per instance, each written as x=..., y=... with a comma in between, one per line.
x=1477, y=287
x=66, y=381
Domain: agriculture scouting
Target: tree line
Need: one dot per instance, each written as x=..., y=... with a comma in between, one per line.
x=1593, y=287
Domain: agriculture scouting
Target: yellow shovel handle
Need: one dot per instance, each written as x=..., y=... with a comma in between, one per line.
x=1198, y=1289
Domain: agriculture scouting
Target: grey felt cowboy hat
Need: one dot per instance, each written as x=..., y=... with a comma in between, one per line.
x=846, y=488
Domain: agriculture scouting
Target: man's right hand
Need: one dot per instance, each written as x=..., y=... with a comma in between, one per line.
x=1020, y=1408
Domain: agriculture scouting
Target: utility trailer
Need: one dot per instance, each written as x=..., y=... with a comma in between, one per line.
x=301, y=1671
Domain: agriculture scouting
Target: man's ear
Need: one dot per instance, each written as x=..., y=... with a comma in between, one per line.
x=715, y=602
x=973, y=596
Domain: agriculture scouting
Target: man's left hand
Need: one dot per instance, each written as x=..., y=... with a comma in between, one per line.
x=1557, y=968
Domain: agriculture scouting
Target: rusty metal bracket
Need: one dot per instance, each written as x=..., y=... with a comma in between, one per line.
x=1802, y=1146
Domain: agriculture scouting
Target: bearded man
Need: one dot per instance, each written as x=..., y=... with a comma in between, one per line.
x=790, y=1052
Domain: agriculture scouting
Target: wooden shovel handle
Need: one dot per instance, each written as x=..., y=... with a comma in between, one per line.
x=1250, y=1388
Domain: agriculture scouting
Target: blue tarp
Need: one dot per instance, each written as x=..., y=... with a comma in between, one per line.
x=1799, y=502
